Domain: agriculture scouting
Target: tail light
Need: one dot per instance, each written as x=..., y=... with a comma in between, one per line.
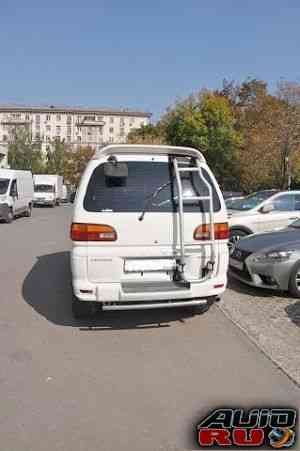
x=202, y=232
x=92, y=232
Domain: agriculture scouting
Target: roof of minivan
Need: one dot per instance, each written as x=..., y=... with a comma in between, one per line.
x=12, y=172
x=148, y=149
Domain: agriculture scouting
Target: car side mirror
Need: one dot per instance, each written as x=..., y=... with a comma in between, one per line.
x=267, y=208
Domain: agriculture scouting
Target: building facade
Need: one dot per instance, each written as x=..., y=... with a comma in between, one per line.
x=92, y=127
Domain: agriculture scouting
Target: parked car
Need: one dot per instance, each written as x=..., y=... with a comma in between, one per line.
x=16, y=194
x=232, y=195
x=262, y=211
x=48, y=189
x=130, y=248
x=230, y=201
x=269, y=260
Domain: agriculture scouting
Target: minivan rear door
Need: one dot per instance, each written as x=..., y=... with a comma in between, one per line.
x=143, y=210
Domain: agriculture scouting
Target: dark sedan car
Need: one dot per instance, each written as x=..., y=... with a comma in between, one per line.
x=269, y=260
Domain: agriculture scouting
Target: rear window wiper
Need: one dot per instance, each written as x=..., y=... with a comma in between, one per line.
x=151, y=197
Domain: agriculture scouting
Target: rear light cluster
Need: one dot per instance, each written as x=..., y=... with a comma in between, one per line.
x=202, y=232
x=92, y=232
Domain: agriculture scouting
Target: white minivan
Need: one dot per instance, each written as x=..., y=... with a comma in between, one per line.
x=16, y=194
x=149, y=230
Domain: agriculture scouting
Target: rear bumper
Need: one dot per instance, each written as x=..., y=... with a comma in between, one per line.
x=152, y=305
x=149, y=292
x=43, y=202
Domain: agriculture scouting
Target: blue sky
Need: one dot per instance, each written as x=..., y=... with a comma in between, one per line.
x=141, y=54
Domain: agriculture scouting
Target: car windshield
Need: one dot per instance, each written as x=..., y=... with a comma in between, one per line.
x=251, y=201
x=3, y=185
x=150, y=186
x=43, y=188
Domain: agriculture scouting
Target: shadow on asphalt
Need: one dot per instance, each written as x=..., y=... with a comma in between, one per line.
x=293, y=312
x=47, y=289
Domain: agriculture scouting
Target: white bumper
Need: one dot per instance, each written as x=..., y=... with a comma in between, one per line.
x=137, y=291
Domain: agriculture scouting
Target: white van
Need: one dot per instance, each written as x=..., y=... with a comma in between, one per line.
x=149, y=230
x=16, y=194
x=48, y=189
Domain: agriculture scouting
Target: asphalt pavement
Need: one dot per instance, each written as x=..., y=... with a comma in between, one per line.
x=124, y=380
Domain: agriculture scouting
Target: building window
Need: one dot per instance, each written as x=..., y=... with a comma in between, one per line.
x=58, y=117
x=111, y=120
x=58, y=129
x=68, y=139
x=111, y=139
x=27, y=117
x=48, y=128
x=4, y=138
x=100, y=118
x=48, y=117
x=79, y=139
x=122, y=121
x=37, y=118
x=37, y=126
x=69, y=119
x=111, y=130
x=37, y=136
x=132, y=120
x=69, y=131
x=122, y=131
x=48, y=139
x=101, y=131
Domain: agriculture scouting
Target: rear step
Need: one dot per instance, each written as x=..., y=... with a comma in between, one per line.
x=154, y=287
x=154, y=305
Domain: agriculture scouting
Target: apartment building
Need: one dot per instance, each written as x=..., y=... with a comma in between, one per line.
x=76, y=126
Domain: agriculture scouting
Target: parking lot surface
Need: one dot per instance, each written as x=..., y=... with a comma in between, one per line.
x=124, y=380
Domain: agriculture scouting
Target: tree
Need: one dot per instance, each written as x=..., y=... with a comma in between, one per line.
x=75, y=163
x=270, y=127
x=206, y=122
x=56, y=157
x=147, y=134
x=288, y=130
x=23, y=153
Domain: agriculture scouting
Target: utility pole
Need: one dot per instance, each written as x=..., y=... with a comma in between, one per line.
x=288, y=172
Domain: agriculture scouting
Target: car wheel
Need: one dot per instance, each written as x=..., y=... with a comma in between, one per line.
x=9, y=216
x=28, y=212
x=235, y=236
x=83, y=309
x=294, y=285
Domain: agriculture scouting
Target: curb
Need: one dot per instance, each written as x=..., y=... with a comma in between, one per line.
x=257, y=344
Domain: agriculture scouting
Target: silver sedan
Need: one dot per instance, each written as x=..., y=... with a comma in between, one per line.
x=269, y=260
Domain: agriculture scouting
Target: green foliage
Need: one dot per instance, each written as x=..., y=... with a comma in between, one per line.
x=56, y=157
x=24, y=154
x=147, y=134
x=75, y=163
x=184, y=125
x=206, y=122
